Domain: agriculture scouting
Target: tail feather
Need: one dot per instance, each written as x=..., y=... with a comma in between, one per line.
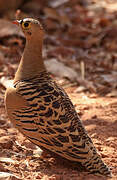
x=93, y=162
x=95, y=165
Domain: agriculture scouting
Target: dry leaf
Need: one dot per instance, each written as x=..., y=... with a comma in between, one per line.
x=6, y=175
x=113, y=93
x=56, y=3
x=8, y=160
x=59, y=69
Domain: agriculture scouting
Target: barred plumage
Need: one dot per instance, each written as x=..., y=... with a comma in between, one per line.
x=43, y=112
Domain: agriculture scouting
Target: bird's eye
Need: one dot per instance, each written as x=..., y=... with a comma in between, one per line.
x=26, y=25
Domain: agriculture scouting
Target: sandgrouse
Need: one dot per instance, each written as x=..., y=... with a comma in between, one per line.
x=42, y=110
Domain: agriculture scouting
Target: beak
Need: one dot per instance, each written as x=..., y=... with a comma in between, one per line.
x=17, y=22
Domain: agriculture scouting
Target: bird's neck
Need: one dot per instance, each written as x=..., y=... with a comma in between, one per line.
x=31, y=64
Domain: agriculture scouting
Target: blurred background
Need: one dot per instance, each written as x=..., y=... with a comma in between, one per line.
x=80, y=45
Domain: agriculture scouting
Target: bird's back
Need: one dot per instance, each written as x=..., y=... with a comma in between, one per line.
x=49, y=120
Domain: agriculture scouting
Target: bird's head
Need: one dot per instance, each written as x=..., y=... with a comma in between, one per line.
x=30, y=27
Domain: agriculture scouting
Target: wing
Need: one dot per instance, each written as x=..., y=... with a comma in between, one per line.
x=48, y=118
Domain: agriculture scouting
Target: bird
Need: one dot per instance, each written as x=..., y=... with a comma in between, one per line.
x=43, y=112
